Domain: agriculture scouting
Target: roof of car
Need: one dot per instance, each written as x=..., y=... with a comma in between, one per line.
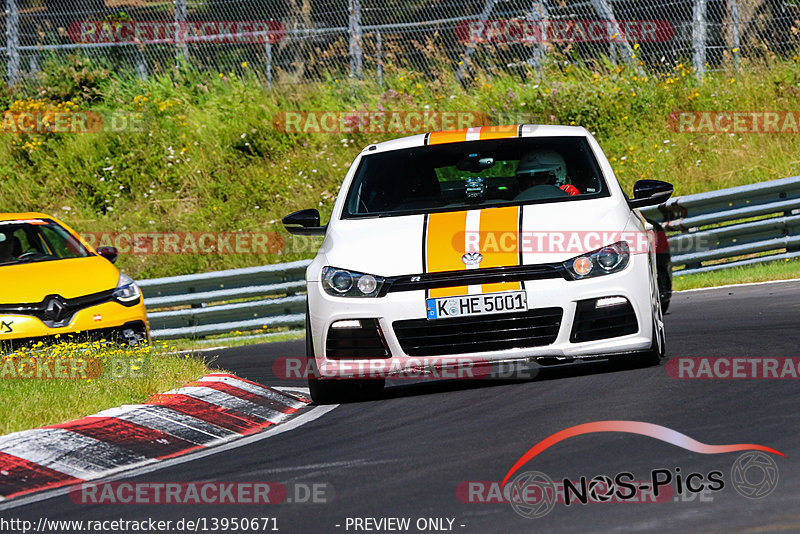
x=26, y=215
x=479, y=133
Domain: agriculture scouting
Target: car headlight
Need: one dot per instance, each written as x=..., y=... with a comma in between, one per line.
x=343, y=283
x=607, y=260
x=126, y=291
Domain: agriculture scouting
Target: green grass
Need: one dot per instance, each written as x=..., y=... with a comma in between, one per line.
x=776, y=270
x=30, y=403
x=209, y=158
x=237, y=339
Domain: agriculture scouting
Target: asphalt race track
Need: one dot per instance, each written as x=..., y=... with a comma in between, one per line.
x=405, y=454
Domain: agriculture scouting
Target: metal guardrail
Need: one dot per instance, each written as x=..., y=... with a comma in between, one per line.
x=209, y=296
x=719, y=225
x=221, y=302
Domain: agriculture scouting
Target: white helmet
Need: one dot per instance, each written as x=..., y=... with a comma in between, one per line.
x=538, y=161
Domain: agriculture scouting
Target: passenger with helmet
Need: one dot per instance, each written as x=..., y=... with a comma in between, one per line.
x=542, y=174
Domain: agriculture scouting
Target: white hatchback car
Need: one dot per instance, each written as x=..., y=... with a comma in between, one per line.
x=490, y=244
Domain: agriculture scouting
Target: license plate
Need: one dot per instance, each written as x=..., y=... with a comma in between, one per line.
x=465, y=305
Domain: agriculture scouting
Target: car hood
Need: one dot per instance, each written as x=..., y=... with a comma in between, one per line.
x=70, y=278
x=392, y=246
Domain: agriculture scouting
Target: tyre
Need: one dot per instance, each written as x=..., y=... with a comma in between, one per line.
x=663, y=266
x=664, y=285
x=336, y=391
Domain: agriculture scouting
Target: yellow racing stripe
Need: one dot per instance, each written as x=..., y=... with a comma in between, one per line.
x=440, y=254
x=499, y=132
x=444, y=246
x=447, y=136
x=498, y=225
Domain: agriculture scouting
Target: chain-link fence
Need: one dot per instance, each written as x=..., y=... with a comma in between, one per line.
x=290, y=41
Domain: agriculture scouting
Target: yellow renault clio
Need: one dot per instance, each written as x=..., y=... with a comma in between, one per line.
x=53, y=283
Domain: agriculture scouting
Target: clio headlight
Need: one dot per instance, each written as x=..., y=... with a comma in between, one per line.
x=344, y=283
x=607, y=260
x=126, y=291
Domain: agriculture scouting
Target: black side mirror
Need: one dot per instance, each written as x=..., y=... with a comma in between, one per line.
x=304, y=222
x=650, y=193
x=109, y=253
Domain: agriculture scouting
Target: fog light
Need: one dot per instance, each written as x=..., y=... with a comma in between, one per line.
x=350, y=323
x=610, y=301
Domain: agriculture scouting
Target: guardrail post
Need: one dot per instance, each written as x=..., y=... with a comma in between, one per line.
x=12, y=41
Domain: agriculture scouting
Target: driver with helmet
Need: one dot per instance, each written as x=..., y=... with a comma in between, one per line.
x=543, y=174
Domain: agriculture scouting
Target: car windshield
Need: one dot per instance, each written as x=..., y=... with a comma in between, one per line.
x=34, y=240
x=474, y=174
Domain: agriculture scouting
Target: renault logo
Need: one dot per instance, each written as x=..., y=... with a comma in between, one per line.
x=54, y=309
x=472, y=258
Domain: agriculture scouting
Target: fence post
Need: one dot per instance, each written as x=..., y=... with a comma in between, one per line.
x=356, y=53
x=462, y=70
x=735, y=20
x=181, y=49
x=141, y=63
x=699, y=37
x=379, y=46
x=12, y=40
x=539, y=16
x=268, y=52
x=606, y=12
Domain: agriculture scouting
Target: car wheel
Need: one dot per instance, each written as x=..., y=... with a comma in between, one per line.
x=336, y=391
x=656, y=352
x=658, y=348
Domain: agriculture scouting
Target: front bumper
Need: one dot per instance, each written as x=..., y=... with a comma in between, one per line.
x=110, y=320
x=634, y=284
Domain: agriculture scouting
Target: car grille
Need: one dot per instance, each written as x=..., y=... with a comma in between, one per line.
x=55, y=311
x=483, y=333
x=592, y=323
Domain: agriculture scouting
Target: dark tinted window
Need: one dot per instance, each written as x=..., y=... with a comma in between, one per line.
x=474, y=174
x=30, y=240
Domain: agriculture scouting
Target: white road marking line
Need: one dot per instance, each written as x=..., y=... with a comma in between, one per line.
x=736, y=285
